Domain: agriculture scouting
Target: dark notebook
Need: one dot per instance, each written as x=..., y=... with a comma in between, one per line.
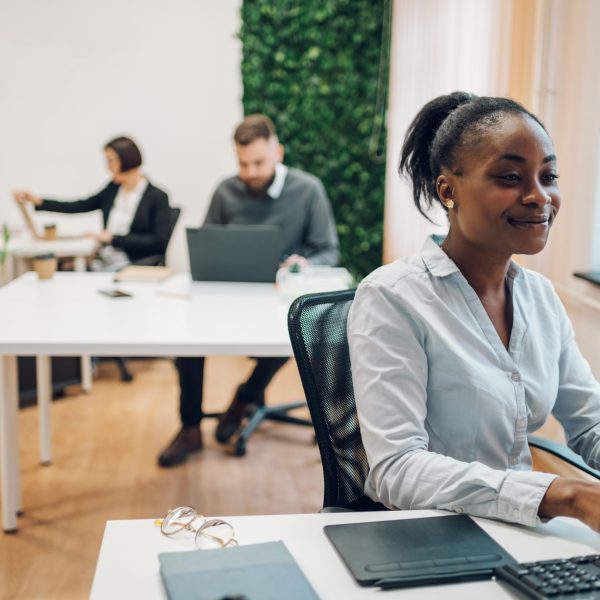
x=254, y=571
x=410, y=552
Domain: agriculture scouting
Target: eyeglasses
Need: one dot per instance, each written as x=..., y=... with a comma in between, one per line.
x=209, y=533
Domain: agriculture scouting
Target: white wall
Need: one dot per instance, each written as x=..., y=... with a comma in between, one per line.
x=76, y=73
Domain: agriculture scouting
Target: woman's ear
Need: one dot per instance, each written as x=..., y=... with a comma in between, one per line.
x=445, y=191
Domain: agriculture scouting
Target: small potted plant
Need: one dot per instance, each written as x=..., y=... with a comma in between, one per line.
x=4, y=253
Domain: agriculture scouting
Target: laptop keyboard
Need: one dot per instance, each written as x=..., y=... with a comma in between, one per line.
x=575, y=578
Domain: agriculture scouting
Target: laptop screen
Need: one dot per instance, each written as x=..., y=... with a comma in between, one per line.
x=249, y=253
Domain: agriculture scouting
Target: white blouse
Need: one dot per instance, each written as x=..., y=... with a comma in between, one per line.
x=444, y=408
x=124, y=208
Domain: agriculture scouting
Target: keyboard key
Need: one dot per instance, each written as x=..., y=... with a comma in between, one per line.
x=583, y=587
x=533, y=581
x=517, y=570
x=549, y=591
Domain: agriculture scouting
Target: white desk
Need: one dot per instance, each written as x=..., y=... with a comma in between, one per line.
x=25, y=247
x=66, y=316
x=128, y=564
x=22, y=248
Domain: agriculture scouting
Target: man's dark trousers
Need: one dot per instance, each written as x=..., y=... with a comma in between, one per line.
x=191, y=379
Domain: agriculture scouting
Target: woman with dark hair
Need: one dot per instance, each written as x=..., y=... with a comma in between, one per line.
x=457, y=353
x=135, y=213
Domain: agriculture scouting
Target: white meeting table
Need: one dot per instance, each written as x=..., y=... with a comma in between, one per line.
x=67, y=316
x=23, y=248
x=128, y=564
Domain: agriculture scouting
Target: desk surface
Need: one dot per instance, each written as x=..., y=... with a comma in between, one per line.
x=128, y=565
x=24, y=246
x=68, y=316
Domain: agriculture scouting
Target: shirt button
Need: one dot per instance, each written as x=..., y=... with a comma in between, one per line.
x=515, y=376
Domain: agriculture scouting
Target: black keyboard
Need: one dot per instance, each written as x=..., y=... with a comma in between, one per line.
x=576, y=578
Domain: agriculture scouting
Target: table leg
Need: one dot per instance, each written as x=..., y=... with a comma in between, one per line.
x=44, y=398
x=86, y=373
x=79, y=264
x=9, y=444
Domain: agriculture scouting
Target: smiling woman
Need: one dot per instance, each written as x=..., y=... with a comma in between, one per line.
x=458, y=353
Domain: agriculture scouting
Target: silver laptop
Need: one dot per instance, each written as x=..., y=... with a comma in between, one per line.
x=235, y=252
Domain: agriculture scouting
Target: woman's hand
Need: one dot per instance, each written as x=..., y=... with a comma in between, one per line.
x=572, y=498
x=24, y=196
x=102, y=237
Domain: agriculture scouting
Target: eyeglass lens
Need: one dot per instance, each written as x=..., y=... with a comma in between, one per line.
x=215, y=533
x=177, y=519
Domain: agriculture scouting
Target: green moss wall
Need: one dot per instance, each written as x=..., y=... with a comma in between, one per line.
x=313, y=67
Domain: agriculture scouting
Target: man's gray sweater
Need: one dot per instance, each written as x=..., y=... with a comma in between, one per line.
x=302, y=211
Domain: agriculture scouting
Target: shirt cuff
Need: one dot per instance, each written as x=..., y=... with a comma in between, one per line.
x=520, y=496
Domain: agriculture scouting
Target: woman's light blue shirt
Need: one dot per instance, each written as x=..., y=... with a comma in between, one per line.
x=444, y=408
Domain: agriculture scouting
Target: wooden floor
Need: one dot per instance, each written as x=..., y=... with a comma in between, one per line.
x=105, y=448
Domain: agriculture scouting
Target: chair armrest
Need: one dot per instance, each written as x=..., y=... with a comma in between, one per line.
x=562, y=452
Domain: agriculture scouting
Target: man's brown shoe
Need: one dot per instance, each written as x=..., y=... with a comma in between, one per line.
x=187, y=441
x=231, y=419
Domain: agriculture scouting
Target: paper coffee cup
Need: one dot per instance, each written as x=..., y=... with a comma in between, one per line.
x=50, y=232
x=45, y=265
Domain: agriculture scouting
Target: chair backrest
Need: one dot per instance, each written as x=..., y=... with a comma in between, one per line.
x=174, y=211
x=317, y=327
x=159, y=259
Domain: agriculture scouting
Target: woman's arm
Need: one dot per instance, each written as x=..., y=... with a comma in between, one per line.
x=577, y=406
x=94, y=202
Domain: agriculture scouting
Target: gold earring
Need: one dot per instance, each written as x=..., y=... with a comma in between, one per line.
x=450, y=204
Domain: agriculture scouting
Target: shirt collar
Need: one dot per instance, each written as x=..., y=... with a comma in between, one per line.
x=440, y=264
x=276, y=187
x=138, y=190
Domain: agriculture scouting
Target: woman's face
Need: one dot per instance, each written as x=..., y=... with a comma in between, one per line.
x=113, y=164
x=506, y=195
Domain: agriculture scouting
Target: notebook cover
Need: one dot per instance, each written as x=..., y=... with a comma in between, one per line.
x=143, y=273
x=256, y=571
x=417, y=551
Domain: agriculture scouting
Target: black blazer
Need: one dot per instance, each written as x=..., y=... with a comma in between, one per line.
x=151, y=226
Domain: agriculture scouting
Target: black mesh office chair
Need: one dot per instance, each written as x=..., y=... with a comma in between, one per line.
x=156, y=260
x=317, y=326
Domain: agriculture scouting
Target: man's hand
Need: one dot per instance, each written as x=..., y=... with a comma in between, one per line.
x=23, y=196
x=295, y=259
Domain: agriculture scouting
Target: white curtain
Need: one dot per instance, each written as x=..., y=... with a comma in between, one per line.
x=437, y=47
